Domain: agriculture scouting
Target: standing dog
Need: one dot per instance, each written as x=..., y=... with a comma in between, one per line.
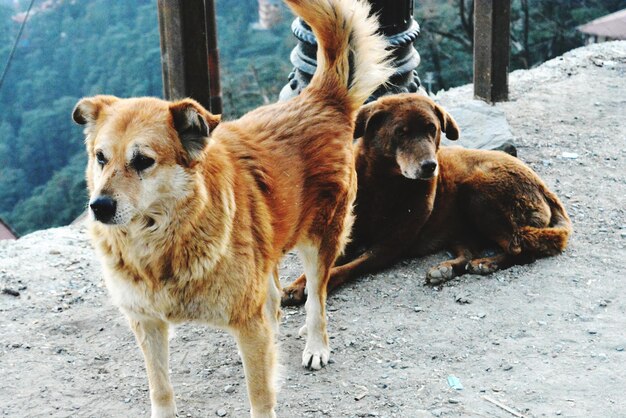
x=415, y=199
x=192, y=228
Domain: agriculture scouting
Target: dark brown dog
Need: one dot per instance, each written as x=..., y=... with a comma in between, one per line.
x=414, y=199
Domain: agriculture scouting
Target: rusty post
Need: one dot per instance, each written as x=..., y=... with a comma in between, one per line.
x=491, y=49
x=184, y=51
x=213, y=58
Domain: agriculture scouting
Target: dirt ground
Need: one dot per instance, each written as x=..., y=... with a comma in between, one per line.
x=545, y=339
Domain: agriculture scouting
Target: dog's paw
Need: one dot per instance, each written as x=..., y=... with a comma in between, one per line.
x=481, y=266
x=293, y=295
x=440, y=274
x=315, y=356
x=261, y=414
x=163, y=411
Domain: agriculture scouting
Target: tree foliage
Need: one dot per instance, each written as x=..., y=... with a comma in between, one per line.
x=540, y=30
x=71, y=50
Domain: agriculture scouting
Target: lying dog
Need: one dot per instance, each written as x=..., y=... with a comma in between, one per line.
x=415, y=199
x=192, y=228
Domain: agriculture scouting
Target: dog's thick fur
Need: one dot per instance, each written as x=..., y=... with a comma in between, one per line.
x=192, y=228
x=415, y=198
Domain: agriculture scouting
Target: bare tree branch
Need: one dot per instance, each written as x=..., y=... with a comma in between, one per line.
x=467, y=20
x=459, y=39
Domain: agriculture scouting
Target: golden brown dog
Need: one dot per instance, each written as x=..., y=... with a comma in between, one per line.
x=415, y=198
x=192, y=228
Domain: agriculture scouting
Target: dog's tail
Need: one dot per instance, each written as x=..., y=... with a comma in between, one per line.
x=352, y=59
x=552, y=239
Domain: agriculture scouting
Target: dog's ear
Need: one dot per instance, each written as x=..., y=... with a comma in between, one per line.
x=448, y=124
x=361, y=121
x=193, y=125
x=87, y=109
x=368, y=119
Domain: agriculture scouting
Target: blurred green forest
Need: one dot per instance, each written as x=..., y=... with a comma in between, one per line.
x=75, y=48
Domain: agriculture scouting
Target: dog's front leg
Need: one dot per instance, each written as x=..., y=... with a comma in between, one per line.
x=152, y=337
x=256, y=344
x=370, y=261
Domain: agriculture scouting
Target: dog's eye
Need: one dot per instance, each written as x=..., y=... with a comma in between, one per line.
x=140, y=162
x=431, y=128
x=100, y=158
x=400, y=130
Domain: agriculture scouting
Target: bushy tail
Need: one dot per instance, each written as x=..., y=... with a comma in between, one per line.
x=346, y=34
x=552, y=239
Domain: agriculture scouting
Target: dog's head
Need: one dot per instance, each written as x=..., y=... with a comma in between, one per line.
x=405, y=129
x=142, y=154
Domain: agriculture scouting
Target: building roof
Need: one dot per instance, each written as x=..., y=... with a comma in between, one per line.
x=6, y=232
x=611, y=26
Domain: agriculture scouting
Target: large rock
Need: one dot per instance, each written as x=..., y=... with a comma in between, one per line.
x=482, y=126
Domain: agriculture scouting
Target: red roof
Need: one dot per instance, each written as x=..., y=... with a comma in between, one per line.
x=611, y=26
x=6, y=232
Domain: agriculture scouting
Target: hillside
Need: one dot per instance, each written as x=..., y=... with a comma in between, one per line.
x=75, y=49
x=545, y=339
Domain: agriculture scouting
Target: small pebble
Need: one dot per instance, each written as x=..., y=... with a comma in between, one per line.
x=462, y=299
x=453, y=400
x=221, y=412
x=10, y=292
x=360, y=396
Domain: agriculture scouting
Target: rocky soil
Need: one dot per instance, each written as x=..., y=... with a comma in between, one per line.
x=545, y=339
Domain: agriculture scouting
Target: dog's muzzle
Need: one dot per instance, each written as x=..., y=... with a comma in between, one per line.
x=428, y=169
x=103, y=208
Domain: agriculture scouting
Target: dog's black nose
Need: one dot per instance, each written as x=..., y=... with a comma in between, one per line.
x=429, y=167
x=103, y=208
